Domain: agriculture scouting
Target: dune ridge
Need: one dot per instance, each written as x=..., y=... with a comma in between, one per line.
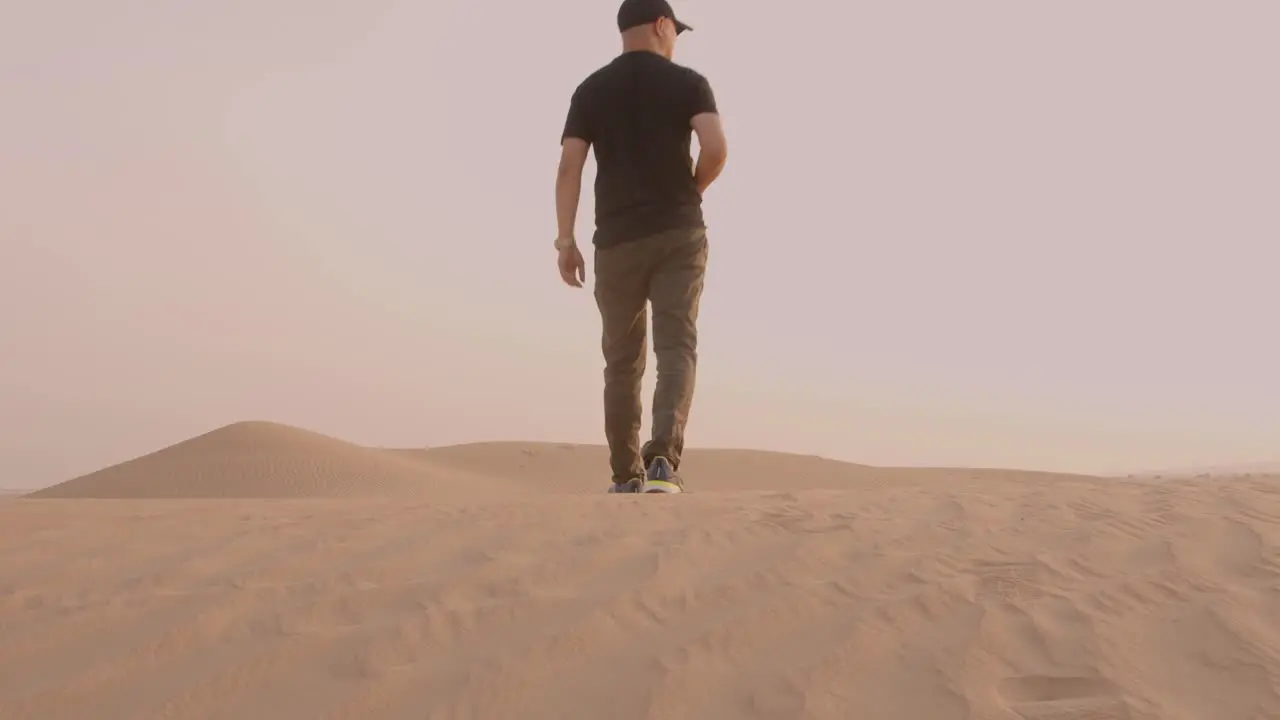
x=257, y=459
x=792, y=587
x=260, y=460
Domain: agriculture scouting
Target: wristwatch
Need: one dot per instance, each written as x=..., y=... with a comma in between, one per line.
x=564, y=243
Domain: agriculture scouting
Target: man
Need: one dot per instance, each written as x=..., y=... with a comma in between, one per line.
x=650, y=241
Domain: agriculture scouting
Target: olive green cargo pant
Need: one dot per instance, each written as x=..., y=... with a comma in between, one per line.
x=665, y=270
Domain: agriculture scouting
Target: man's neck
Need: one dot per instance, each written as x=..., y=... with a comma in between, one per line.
x=639, y=47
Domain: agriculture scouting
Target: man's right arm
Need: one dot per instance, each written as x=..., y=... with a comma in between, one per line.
x=713, y=149
x=575, y=144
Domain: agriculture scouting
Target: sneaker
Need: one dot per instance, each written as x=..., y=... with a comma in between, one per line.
x=661, y=478
x=627, y=486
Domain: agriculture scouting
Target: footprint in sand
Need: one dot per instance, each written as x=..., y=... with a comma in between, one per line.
x=1008, y=581
x=1046, y=697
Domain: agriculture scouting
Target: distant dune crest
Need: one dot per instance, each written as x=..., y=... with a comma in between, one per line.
x=252, y=459
x=1259, y=468
x=268, y=460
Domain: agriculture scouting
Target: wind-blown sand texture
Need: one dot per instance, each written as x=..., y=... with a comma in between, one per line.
x=262, y=571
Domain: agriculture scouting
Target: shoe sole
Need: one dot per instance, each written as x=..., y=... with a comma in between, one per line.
x=662, y=487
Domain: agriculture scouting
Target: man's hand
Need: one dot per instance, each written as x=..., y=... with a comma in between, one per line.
x=573, y=269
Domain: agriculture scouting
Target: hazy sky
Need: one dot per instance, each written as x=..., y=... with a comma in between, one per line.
x=993, y=232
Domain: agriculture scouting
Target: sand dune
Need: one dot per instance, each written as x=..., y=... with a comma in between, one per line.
x=269, y=460
x=785, y=587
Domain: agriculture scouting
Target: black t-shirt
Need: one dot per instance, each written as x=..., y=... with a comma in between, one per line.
x=635, y=112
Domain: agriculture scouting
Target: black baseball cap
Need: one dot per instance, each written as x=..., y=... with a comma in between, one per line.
x=642, y=12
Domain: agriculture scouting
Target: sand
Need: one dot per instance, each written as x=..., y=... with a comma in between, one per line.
x=261, y=571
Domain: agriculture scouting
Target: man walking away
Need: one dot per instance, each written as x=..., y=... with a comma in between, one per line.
x=638, y=112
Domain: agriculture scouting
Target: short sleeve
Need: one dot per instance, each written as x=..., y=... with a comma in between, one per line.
x=577, y=123
x=703, y=100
